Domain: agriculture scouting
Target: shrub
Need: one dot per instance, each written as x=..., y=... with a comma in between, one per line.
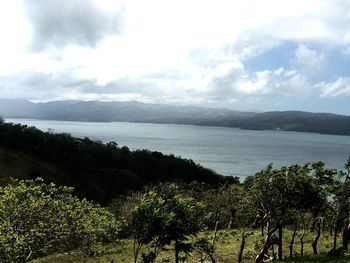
x=37, y=219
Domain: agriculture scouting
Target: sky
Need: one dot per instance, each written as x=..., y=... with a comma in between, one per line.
x=237, y=54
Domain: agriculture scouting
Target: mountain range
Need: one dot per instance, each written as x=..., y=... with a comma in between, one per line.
x=134, y=111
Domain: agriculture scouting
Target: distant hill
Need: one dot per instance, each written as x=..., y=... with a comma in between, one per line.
x=133, y=111
x=300, y=121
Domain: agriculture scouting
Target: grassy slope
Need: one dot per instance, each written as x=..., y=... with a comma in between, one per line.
x=228, y=244
x=16, y=164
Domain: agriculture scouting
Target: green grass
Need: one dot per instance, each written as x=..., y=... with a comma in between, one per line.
x=228, y=244
x=319, y=259
x=19, y=165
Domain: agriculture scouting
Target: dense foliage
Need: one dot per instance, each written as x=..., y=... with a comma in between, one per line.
x=102, y=171
x=38, y=219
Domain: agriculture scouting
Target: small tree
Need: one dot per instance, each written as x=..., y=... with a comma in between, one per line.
x=188, y=217
x=149, y=221
x=164, y=218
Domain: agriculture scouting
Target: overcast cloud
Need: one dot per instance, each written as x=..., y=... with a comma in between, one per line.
x=57, y=23
x=244, y=55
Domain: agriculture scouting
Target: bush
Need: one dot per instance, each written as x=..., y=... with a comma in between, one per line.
x=37, y=219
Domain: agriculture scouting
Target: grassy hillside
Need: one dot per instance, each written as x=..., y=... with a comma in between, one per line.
x=19, y=165
x=228, y=244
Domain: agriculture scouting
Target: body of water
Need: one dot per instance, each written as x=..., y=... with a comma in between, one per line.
x=228, y=151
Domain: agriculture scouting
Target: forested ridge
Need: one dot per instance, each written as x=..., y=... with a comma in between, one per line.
x=144, y=206
x=299, y=121
x=102, y=171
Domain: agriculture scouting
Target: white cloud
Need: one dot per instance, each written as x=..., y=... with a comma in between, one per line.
x=339, y=87
x=15, y=32
x=239, y=85
x=309, y=60
x=162, y=50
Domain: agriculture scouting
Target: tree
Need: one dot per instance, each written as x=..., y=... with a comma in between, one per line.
x=340, y=204
x=149, y=221
x=161, y=219
x=276, y=192
x=188, y=218
x=225, y=203
x=37, y=219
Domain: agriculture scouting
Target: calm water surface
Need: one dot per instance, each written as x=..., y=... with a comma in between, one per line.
x=228, y=151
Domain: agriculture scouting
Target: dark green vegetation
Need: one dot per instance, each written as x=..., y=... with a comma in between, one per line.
x=134, y=111
x=17, y=164
x=100, y=171
x=160, y=208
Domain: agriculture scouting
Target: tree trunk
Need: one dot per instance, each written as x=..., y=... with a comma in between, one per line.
x=335, y=237
x=264, y=251
x=280, y=245
x=331, y=229
x=240, y=256
x=292, y=242
x=216, y=218
x=211, y=254
x=135, y=254
x=268, y=241
x=176, y=252
x=313, y=224
x=273, y=252
x=346, y=235
x=136, y=247
x=267, y=244
x=302, y=243
x=233, y=212
x=314, y=243
x=212, y=258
